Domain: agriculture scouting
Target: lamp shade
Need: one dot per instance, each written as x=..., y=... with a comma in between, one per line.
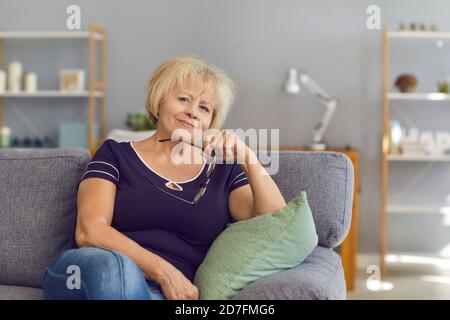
x=292, y=85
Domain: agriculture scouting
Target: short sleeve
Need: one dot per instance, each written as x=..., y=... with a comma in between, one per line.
x=237, y=177
x=103, y=164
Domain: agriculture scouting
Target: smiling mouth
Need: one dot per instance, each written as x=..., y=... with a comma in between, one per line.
x=186, y=124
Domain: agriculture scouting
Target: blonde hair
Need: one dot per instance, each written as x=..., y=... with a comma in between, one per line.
x=172, y=73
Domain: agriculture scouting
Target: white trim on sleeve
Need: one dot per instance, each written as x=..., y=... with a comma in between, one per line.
x=238, y=181
x=109, y=164
x=232, y=182
x=100, y=172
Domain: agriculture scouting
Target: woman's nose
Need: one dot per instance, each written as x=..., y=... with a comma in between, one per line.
x=191, y=115
x=191, y=112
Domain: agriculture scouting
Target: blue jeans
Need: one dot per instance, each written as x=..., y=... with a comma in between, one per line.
x=97, y=274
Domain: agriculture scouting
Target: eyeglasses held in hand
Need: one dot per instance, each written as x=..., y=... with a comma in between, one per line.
x=204, y=185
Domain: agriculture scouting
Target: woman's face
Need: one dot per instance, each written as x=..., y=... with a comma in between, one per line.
x=186, y=108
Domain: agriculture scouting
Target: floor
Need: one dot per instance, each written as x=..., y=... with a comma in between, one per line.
x=416, y=277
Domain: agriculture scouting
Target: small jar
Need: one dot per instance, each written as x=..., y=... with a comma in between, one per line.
x=30, y=82
x=2, y=81
x=5, y=137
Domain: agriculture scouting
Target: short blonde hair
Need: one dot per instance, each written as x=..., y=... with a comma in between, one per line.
x=172, y=73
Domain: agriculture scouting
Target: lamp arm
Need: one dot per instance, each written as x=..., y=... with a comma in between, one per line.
x=320, y=128
x=329, y=102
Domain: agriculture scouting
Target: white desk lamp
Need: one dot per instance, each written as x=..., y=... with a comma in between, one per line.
x=330, y=103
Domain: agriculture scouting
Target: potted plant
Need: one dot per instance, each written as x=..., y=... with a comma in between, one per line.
x=443, y=84
x=140, y=121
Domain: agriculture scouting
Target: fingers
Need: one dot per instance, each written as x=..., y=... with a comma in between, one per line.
x=210, y=144
x=191, y=292
x=209, y=138
x=217, y=145
x=196, y=294
x=224, y=143
x=180, y=289
x=230, y=146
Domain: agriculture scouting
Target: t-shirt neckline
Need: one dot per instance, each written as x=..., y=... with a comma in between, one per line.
x=130, y=143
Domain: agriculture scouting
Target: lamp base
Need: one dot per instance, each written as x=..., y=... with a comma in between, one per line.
x=318, y=146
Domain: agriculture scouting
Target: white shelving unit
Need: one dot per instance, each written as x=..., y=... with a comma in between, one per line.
x=386, y=158
x=96, y=88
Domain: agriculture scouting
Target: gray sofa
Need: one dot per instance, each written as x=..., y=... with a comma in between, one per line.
x=38, y=214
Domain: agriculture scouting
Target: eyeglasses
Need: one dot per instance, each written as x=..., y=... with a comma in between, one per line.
x=204, y=185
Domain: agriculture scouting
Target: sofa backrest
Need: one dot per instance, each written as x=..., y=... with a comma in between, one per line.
x=37, y=209
x=38, y=202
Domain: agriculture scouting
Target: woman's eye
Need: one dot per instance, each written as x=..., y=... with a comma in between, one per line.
x=183, y=99
x=205, y=108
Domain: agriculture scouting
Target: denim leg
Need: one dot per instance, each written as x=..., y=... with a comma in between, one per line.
x=103, y=275
x=155, y=290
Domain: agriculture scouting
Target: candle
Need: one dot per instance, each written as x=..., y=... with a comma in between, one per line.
x=30, y=82
x=14, y=76
x=2, y=81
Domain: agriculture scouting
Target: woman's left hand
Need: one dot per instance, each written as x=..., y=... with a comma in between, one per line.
x=228, y=147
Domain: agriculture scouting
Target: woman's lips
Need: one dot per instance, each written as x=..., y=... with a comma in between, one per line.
x=186, y=124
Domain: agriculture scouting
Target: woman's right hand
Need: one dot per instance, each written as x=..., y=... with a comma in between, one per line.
x=175, y=285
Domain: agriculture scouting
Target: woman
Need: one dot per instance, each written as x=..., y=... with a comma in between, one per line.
x=145, y=219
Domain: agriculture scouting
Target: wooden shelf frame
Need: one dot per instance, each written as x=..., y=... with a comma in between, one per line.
x=96, y=87
x=49, y=35
x=51, y=94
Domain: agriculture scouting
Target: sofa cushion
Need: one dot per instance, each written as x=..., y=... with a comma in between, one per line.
x=20, y=293
x=250, y=249
x=37, y=209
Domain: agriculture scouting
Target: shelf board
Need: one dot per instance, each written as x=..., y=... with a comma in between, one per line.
x=418, y=157
x=440, y=260
x=51, y=94
x=49, y=35
x=418, y=35
x=432, y=96
x=416, y=209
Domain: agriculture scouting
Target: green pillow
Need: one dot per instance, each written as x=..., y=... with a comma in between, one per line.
x=250, y=249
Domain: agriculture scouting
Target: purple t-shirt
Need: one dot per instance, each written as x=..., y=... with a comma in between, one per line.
x=173, y=229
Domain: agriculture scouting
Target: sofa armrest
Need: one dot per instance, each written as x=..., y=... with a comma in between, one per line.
x=328, y=179
x=319, y=277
